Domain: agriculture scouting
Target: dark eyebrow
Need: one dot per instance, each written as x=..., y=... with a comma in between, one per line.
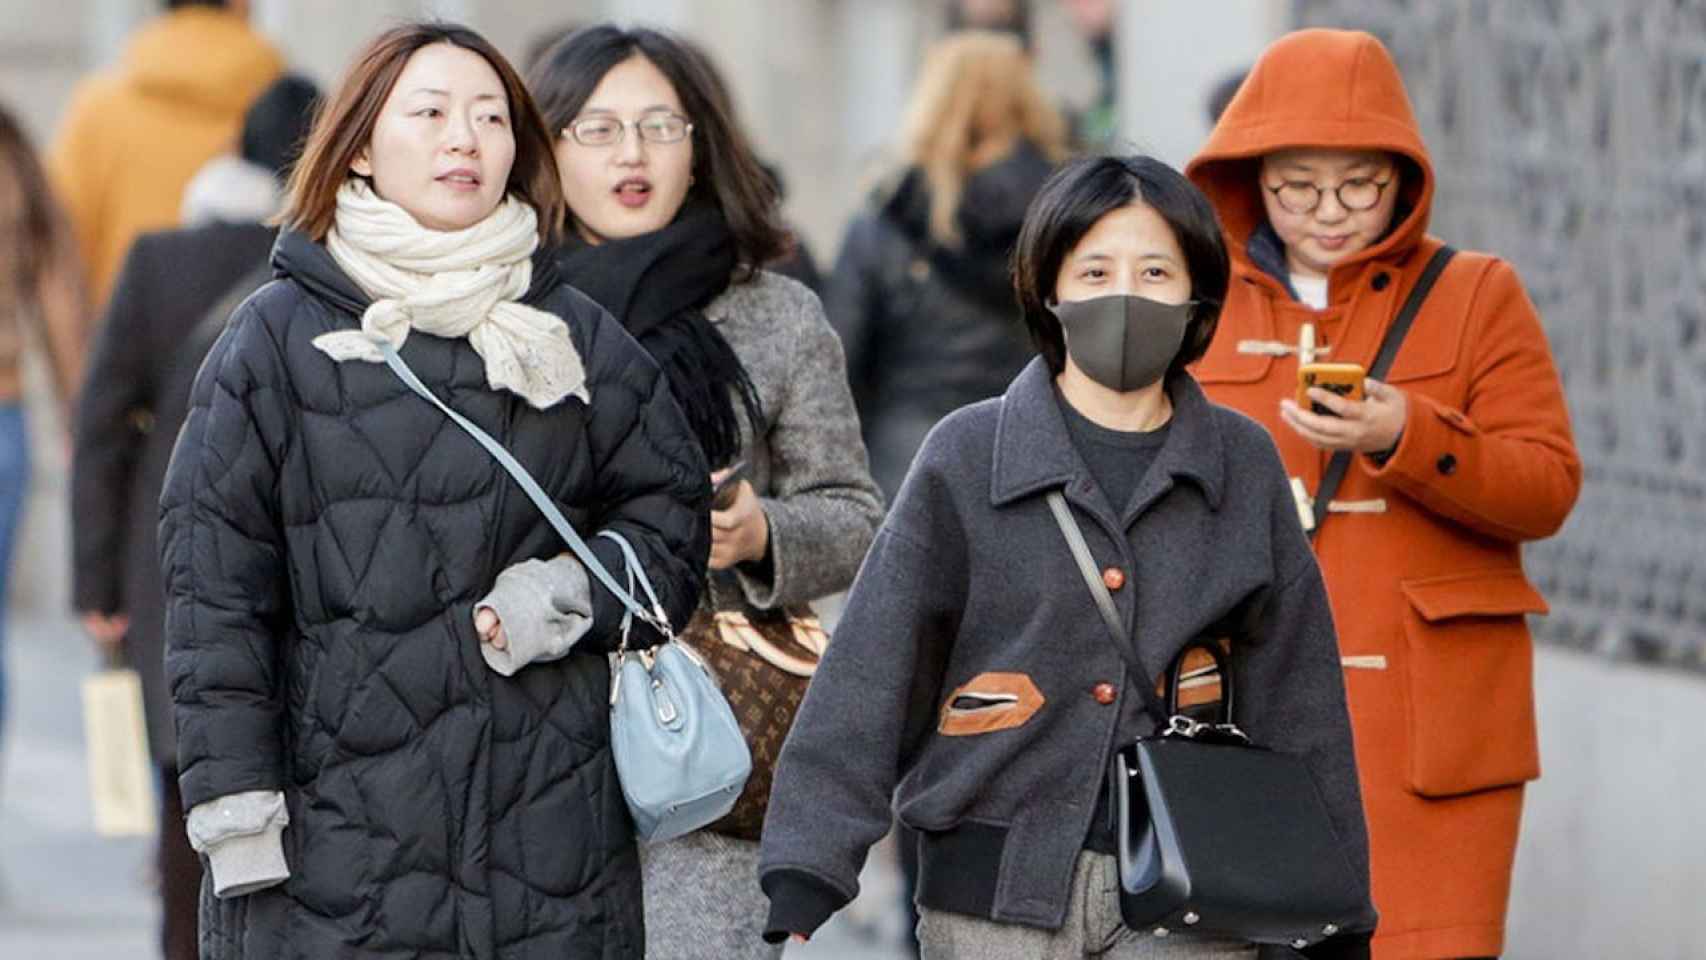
x=445, y=93
x=1098, y=255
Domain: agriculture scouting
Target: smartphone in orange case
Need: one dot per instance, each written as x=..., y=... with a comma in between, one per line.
x=1344, y=379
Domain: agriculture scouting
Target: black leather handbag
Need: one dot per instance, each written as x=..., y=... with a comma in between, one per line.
x=1215, y=834
x=1219, y=835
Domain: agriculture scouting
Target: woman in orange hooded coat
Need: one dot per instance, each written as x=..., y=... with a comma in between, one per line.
x=1323, y=185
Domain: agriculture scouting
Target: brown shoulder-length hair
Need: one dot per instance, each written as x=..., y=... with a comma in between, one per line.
x=975, y=98
x=726, y=170
x=29, y=224
x=344, y=126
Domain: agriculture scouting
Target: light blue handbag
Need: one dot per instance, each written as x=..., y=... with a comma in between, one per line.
x=679, y=752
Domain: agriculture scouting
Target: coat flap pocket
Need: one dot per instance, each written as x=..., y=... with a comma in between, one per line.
x=1484, y=594
x=1232, y=366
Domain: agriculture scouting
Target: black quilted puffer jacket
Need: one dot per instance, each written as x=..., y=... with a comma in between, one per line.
x=325, y=534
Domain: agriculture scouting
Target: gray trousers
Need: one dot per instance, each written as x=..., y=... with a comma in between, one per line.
x=703, y=901
x=1092, y=929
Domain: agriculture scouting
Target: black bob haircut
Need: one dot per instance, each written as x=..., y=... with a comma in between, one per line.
x=1081, y=193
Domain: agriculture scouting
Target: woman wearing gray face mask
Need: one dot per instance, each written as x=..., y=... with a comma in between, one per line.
x=972, y=681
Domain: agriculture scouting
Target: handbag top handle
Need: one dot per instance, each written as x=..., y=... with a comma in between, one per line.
x=1336, y=467
x=655, y=617
x=1176, y=672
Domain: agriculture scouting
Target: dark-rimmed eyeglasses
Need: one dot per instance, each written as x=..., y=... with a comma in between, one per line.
x=1356, y=194
x=608, y=131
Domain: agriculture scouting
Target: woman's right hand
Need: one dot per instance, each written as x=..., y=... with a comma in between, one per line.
x=490, y=628
x=107, y=629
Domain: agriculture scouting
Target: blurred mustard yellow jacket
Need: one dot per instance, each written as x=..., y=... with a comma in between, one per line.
x=136, y=133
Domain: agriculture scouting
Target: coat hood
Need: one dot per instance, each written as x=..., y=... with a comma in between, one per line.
x=230, y=189
x=200, y=55
x=1315, y=88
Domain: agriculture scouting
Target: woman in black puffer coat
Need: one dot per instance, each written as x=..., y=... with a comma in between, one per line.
x=921, y=294
x=369, y=775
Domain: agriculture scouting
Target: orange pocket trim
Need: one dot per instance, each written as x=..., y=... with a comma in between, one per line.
x=1003, y=701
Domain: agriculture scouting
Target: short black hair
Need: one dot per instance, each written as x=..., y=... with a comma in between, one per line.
x=1079, y=195
x=1221, y=96
x=176, y=4
x=277, y=124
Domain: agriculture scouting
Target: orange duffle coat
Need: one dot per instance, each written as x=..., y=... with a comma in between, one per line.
x=1427, y=585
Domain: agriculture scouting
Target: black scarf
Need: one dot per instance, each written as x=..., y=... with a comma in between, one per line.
x=658, y=286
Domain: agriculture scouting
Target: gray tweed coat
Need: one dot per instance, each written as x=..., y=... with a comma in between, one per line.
x=808, y=466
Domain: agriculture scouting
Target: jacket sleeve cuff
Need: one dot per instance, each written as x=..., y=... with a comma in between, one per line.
x=243, y=865
x=799, y=903
x=1430, y=432
x=545, y=607
x=762, y=580
x=243, y=838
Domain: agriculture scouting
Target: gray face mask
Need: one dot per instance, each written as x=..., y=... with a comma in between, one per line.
x=1123, y=342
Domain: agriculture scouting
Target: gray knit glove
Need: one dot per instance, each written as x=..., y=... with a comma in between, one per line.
x=545, y=606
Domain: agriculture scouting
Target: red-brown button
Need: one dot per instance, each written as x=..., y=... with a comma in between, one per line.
x=1105, y=693
x=1113, y=578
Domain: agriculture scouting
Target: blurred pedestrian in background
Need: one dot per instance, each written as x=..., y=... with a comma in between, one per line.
x=972, y=684
x=796, y=260
x=1096, y=127
x=128, y=419
x=135, y=134
x=1462, y=452
x=41, y=296
x=921, y=294
x=368, y=773
x=672, y=221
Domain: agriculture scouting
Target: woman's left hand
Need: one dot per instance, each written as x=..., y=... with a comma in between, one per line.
x=490, y=628
x=741, y=533
x=1371, y=425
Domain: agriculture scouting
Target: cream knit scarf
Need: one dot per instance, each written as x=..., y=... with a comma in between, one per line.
x=461, y=284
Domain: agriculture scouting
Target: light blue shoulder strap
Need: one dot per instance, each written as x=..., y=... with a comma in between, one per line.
x=656, y=616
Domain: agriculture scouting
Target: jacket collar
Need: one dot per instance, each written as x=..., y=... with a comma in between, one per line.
x=1034, y=452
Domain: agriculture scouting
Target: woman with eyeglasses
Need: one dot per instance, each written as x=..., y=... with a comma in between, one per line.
x=671, y=219
x=1461, y=453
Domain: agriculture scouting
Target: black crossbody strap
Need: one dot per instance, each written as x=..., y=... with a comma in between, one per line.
x=1105, y=604
x=1341, y=461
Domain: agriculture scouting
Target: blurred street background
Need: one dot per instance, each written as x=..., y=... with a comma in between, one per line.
x=1570, y=136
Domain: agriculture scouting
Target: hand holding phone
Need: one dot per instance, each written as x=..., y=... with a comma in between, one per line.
x=1344, y=379
x=724, y=493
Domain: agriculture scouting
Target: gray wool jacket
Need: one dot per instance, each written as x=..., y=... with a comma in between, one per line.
x=807, y=466
x=970, y=592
